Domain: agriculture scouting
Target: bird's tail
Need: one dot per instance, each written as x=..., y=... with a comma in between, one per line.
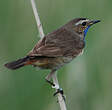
x=18, y=63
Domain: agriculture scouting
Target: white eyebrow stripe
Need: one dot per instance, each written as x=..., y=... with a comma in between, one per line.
x=81, y=21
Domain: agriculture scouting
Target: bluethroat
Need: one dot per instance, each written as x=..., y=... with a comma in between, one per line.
x=57, y=48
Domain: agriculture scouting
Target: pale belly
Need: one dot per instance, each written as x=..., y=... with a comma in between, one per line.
x=52, y=63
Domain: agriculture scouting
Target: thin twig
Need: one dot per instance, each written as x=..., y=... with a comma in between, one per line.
x=61, y=99
x=54, y=77
x=39, y=25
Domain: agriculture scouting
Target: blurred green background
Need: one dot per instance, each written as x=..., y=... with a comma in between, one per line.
x=87, y=81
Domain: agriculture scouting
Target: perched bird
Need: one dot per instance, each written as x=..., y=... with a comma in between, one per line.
x=57, y=48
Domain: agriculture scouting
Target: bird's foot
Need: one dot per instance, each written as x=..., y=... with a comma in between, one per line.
x=60, y=90
x=55, y=86
x=51, y=83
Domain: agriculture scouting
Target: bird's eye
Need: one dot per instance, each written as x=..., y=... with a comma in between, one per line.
x=84, y=23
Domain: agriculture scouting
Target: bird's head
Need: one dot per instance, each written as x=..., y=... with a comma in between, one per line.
x=81, y=25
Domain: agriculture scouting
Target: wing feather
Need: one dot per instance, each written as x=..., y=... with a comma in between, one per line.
x=61, y=42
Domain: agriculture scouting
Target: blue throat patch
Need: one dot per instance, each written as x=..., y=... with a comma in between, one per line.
x=85, y=32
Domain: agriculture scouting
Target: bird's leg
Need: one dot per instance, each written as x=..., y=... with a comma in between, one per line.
x=60, y=90
x=49, y=76
x=48, y=79
x=56, y=86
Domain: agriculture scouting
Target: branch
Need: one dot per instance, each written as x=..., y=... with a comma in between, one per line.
x=54, y=76
x=61, y=99
x=39, y=25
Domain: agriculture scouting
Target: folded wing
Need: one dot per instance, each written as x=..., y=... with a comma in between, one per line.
x=61, y=42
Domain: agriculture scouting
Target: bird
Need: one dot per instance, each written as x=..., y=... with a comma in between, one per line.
x=57, y=48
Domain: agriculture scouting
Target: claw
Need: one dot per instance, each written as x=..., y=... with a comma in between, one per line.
x=50, y=82
x=60, y=90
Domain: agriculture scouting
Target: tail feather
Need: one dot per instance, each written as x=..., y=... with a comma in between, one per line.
x=17, y=64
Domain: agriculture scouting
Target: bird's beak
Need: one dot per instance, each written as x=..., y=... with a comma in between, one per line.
x=94, y=22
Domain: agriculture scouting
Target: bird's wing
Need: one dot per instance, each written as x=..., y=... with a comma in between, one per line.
x=58, y=43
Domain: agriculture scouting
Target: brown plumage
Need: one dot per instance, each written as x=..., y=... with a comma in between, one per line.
x=58, y=47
